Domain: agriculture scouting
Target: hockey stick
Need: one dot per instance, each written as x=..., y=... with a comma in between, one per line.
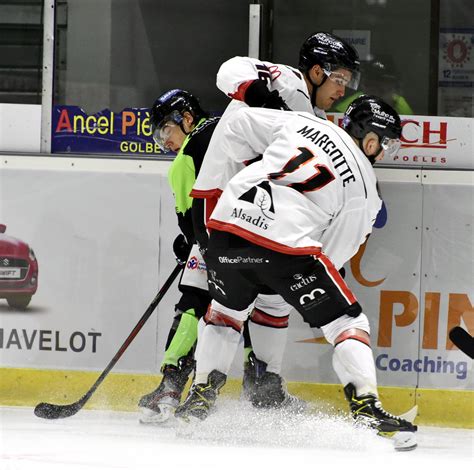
x=410, y=415
x=463, y=340
x=51, y=411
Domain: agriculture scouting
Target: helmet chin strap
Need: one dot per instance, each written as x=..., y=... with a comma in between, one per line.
x=315, y=87
x=182, y=127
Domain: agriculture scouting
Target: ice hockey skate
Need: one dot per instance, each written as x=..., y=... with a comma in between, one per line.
x=367, y=411
x=201, y=399
x=252, y=368
x=248, y=382
x=270, y=390
x=158, y=406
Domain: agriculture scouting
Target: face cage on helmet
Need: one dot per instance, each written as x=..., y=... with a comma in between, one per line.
x=332, y=72
x=390, y=146
x=162, y=131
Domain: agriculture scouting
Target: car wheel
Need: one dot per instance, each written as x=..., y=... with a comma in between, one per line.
x=19, y=301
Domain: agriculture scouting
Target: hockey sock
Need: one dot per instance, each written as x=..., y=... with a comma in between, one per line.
x=216, y=349
x=183, y=340
x=269, y=345
x=353, y=362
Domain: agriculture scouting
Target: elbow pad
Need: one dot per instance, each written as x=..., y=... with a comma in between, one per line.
x=257, y=95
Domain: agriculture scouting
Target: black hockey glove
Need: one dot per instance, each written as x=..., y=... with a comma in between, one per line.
x=181, y=249
x=259, y=96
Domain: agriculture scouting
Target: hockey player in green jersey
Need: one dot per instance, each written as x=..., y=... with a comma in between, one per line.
x=181, y=125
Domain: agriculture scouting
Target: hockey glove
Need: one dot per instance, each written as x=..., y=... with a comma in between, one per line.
x=181, y=249
x=258, y=95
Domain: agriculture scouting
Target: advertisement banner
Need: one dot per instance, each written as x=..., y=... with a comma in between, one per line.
x=432, y=142
x=127, y=132
x=456, y=71
x=427, y=141
x=95, y=240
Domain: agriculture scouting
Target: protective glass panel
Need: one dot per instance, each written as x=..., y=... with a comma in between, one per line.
x=427, y=70
x=21, y=51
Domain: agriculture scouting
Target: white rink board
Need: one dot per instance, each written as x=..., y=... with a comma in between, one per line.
x=102, y=256
x=103, y=230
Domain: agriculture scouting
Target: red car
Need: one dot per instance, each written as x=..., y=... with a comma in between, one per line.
x=18, y=271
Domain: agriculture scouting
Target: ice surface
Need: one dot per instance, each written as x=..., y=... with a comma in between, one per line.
x=235, y=437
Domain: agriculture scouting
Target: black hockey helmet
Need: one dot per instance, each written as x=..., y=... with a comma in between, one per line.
x=368, y=113
x=330, y=52
x=170, y=107
x=175, y=102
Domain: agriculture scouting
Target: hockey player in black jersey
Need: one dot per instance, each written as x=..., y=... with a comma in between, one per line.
x=301, y=212
x=181, y=125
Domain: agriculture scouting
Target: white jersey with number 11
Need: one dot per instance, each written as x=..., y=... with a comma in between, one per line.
x=313, y=189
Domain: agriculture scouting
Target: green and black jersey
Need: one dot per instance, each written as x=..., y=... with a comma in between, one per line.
x=184, y=170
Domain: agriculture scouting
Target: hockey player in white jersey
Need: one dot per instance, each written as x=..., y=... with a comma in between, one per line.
x=326, y=66
x=288, y=223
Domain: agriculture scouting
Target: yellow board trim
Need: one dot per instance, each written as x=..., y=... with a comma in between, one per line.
x=121, y=392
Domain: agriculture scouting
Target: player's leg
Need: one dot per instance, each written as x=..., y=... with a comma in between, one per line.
x=268, y=325
x=178, y=362
x=233, y=291
x=353, y=360
x=159, y=405
x=202, y=209
x=218, y=342
x=354, y=364
x=325, y=301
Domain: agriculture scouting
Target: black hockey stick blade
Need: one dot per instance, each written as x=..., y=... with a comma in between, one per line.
x=463, y=340
x=52, y=411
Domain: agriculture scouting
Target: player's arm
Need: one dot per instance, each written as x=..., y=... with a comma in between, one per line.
x=342, y=239
x=248, y=80
x=199, y=222
x=198, y=146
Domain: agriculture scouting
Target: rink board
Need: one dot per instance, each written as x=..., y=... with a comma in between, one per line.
x=102, y=231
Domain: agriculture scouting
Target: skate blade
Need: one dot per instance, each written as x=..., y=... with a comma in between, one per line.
x=152, y=417
x=410, y=415
x=404, y=441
